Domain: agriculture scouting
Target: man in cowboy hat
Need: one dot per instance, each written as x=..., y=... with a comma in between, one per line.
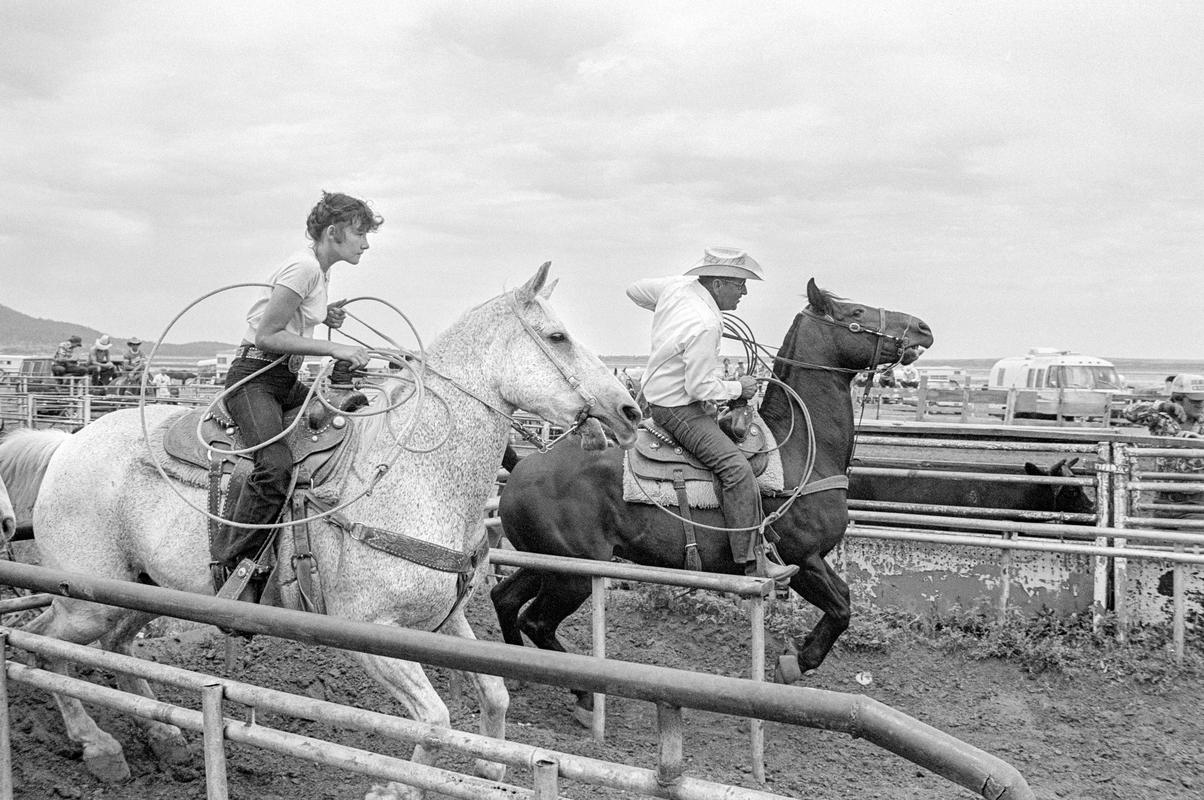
x=1182, y=416
x=99, y=362
x=683, y=383
x=66, y=362
x=134, y=360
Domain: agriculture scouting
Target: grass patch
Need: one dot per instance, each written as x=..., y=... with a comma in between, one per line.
x=1043, y=643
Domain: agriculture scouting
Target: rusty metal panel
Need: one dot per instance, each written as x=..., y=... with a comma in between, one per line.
x=921, y=578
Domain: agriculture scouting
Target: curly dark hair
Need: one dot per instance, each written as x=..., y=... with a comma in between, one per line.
x=341, y=210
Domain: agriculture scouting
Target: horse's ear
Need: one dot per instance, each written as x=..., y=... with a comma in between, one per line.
x=547, y=290
x=1033, y=469
x=529, y=290
x=1070, y=464
x=816, y=298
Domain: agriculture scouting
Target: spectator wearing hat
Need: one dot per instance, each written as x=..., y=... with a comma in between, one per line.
x=134, y=360
x=1181, y=416
x=684, y=382
x=100, y=364
x=66, y=362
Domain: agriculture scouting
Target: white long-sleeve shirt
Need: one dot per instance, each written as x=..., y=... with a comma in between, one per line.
x=687, y=326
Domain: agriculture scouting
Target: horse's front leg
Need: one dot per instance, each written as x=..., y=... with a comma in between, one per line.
x=167, y=741
x=409, y=684
x=492, y=697
x=81, y=623
x=819, y=585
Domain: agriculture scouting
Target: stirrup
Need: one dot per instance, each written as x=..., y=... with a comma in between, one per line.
x=237, y=582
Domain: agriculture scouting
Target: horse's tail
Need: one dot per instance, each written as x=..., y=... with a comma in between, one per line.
x=24, y=457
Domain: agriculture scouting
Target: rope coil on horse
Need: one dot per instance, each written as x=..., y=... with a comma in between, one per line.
x=397, y=356
x=797, y=492
x=737, y=329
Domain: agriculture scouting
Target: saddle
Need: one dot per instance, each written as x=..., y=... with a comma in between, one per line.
x=658, y=456
x=660, y=471
x=314, y=442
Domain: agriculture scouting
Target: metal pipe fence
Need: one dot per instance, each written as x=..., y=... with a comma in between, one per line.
x=753, y=590
x=856, y=715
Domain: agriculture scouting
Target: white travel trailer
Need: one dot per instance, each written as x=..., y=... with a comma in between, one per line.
x=1047, y=368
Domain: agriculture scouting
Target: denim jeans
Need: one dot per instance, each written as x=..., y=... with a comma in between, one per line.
x=694, y=427
x=258, y=409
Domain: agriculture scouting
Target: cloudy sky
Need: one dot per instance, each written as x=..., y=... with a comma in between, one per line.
x=1016, y=173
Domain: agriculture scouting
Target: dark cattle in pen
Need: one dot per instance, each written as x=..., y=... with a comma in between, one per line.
x=976, y=493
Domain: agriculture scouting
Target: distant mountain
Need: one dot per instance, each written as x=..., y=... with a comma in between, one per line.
x=23, y=335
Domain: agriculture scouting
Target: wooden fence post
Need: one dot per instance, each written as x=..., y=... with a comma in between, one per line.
x=922, y=398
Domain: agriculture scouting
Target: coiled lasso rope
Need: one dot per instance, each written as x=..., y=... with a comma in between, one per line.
x=397, y=356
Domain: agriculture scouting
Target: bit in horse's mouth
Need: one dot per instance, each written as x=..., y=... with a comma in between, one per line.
x=625, y=440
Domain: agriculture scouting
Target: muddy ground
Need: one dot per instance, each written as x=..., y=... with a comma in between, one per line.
x=1130, y=726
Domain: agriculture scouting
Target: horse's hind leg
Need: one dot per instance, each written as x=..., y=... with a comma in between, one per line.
x=492, y=697
x=82, y=623
x=408, y=683
x=509, y=596
x=819, y=585
x=559, y=596
x=167, y=741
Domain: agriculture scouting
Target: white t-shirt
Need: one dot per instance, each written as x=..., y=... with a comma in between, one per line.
x=301, y=273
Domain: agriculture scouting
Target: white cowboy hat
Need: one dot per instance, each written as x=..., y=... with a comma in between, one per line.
x=103, y=343
x=727, y=262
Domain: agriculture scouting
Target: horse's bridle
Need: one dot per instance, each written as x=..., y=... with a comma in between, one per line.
x=568, y=375
x=881, y=334
x=573, y=380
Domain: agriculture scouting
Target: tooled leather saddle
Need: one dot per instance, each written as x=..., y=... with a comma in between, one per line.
x=314, y=443
x=658, y=456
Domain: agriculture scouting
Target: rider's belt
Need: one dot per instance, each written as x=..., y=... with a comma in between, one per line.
x=253, y=352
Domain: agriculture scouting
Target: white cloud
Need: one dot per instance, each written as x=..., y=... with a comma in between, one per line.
x=1008, y=171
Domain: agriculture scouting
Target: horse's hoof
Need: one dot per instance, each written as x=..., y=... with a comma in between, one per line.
x=788, y=671
x=394, y=791
x=583, y=717
x=108, y=767
x=172, y=750
x=489, y=770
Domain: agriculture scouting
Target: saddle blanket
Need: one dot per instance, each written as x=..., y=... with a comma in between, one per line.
x=699, y=494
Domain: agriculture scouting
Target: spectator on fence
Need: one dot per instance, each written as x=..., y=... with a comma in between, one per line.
x=134, y=360
x=1181, y=416
x=162, y=384
x=100, y=364
x=66, y=361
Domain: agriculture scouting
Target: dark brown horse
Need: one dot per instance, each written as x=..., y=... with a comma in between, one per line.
x=569, y=502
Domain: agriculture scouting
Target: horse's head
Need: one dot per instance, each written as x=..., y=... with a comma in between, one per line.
x=549, y=373
x=868, y=336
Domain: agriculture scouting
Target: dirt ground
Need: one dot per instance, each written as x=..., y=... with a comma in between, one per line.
x=1095, y=734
